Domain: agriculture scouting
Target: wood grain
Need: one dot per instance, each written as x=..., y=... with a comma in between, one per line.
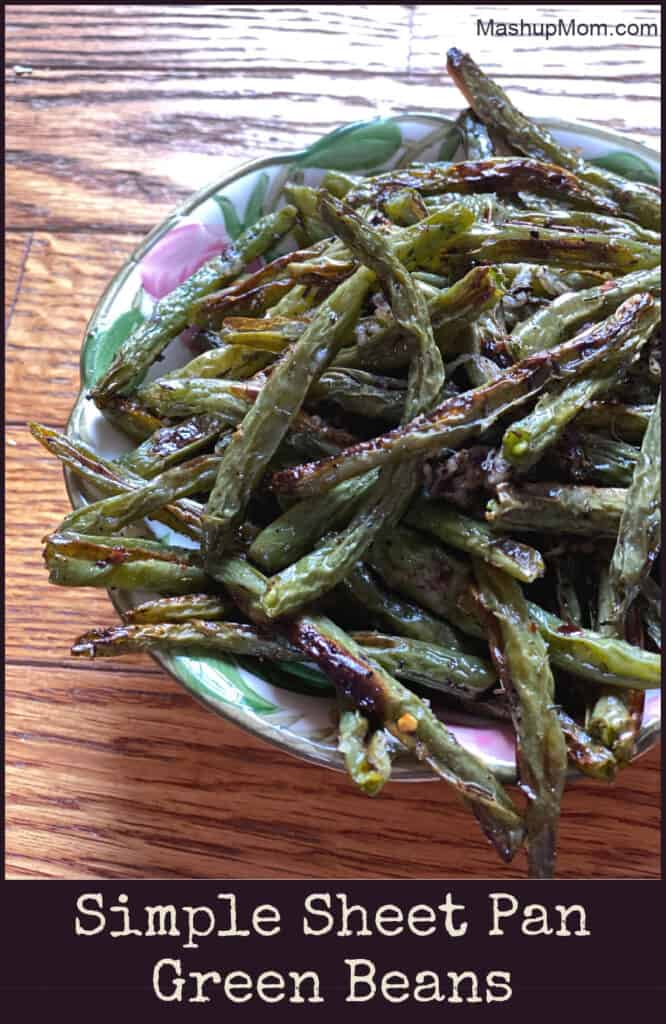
x=205, y=38
x=113, y=770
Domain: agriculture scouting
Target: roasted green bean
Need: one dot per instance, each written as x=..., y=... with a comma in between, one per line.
x=639, y=533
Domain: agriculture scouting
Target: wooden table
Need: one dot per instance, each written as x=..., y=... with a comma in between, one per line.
x=115, y=114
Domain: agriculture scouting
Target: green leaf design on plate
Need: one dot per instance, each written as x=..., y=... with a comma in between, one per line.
x=221, y=680
x=354, y=147
x=232, y=223
x=628, y=165
x=102, y=344
x=253, y=209
x=314, y=679
x=295, y=682
x=255, y=203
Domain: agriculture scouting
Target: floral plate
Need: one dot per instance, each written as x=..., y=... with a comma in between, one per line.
x=262, y=698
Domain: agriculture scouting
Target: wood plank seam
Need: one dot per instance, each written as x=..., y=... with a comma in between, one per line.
x=19, y=279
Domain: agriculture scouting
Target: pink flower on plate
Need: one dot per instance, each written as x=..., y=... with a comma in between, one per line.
x=180, y=253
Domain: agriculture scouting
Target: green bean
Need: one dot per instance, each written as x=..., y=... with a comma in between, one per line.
x=436, y=281
x=268, y=334
x=422, y=246
x=549, y=325
x=178, y=609
x=254, y=294
x=487, y=349
x=403, y=617
x=305, y=200
x=469, y=415
x=438, y=668
x=220, y=637
x=515, y=243
x=589, y=655
x=613, y=725
x=520, y=657
x=476, y=538
x=128, y=563
x=558, y=508
x=446, y=669
x=111, y=514
x=639, y=532
x=491, y=104
x=615, y=721
x=484, y=205
x=171, y=313
x=404, y=206
x=245, y=584
x=362, y=393
x=582, y=220
x=220, y=361
x=294, y=533
x=338, y=183
x=314, y=574
x=497, y=174
x=106, y=475
x=549, y=282
x=616, y=716
x=367, y=761
x=300, y=301
x=173, y=444
x=358, y=392
x=193, y=396
x=527, y=440
x=423, y=571
x=619, y=420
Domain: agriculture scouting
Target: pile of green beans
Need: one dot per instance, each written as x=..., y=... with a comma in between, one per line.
x=415, y=465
